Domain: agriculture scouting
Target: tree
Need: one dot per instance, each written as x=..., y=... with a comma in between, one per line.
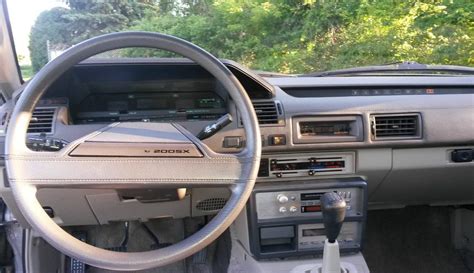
x=48, y=28
x=290, y=36
x=297, y=36
x=85, y=19
x=92, y=18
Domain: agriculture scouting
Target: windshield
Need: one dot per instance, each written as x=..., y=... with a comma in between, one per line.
x=280, y=36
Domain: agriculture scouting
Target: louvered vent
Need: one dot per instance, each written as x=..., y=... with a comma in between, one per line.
x=211, y=204
x=396, y=126
x=267, y=112
x=42, y=121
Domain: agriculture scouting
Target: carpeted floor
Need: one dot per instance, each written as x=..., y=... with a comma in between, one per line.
x=169, y=231
x=411, y=240
x=6, y=255
x=213, y=259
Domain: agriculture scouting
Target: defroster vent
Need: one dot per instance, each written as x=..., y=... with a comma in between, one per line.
x=396, y=126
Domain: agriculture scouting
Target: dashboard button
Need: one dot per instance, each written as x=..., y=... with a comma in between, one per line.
x=232, y=142
x=462, y=155
x=276, y=140
x=282, y=198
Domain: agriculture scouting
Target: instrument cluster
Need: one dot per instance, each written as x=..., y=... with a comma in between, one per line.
x=150, y=106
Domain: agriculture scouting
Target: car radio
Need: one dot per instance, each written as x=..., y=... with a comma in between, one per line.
x=327, y=129
x=286, y=219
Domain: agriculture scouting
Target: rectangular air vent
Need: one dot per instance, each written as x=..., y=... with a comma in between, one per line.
x=396, y=126
x=42, y=121
x=268, y=112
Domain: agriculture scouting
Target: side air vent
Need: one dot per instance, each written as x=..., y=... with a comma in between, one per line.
x=396, y=126
x=269, y=112
x=42, y=121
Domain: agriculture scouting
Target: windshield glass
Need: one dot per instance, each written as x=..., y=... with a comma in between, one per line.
x=280, y=36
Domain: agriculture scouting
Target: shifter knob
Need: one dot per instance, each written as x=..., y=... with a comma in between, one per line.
x=334, y=210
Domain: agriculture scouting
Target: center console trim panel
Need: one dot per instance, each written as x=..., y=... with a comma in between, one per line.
x=255, y=224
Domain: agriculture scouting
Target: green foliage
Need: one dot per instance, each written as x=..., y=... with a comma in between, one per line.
x=26, y=72
x=85, y=19
x=289, y=36
x=92, y=18
x=301, y=36
x=49, y=26
x=433, y=33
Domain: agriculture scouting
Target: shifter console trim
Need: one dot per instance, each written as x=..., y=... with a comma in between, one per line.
x=292, y=212
x=304, y=203
x=312, y=236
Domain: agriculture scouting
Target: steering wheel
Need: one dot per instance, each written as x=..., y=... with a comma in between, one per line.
x=113, y=157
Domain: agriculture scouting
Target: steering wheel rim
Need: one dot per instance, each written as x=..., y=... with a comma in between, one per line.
x=18, y=157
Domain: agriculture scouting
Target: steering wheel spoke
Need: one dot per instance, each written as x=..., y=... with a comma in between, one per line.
x=131, y=155
x=116, y=172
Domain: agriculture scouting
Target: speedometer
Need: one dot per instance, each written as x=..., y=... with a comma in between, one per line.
x=152, y=106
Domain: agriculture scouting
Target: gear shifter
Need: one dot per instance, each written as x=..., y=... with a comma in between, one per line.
x=334, y=210
x=333, y=207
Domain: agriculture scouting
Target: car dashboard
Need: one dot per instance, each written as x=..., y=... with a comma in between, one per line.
x=379, y=141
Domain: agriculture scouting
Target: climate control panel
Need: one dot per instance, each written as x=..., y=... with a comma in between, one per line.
x=307, y=165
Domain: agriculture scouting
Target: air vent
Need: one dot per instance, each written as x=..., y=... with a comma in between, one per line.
x=268, y=112
x=396, y=126
x=42, y=121
x=211, y=204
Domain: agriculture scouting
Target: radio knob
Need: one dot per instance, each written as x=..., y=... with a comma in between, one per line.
x=282, y=198
x=282, y=209
x=293, y=209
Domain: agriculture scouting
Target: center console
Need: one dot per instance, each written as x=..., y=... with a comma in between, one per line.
x=285, y=218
